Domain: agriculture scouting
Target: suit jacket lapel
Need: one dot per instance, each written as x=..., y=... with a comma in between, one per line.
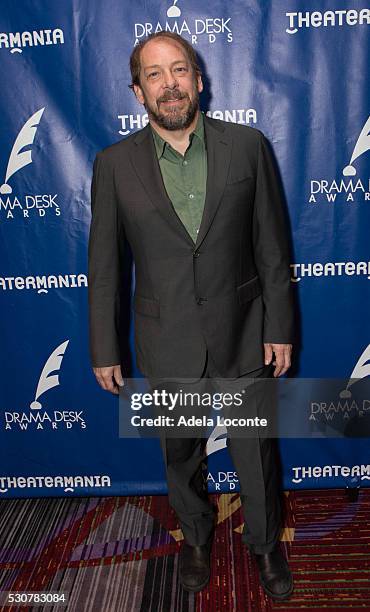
x=218, y=162
x=146, y=166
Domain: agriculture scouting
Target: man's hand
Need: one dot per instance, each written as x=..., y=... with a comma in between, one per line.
x=109, y=378
x=282, y=353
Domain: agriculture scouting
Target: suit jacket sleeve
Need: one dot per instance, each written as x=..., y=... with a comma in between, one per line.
x=104, y=267
x=271, y=250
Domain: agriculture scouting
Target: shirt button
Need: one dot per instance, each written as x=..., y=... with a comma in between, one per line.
x=191, y=196
x=185, y=163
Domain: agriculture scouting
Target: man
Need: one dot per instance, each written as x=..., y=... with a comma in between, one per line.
x=198, y=201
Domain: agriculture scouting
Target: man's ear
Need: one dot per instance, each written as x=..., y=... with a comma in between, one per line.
x=199, y=83
x=139, y=94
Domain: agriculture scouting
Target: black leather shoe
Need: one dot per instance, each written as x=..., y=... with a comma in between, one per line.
x=194, y=566
x=275, y=575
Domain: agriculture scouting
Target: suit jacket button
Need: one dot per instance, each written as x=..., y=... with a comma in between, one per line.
x=196, y=254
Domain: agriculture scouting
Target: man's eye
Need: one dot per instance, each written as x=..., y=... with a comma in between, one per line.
x=181, y=69
x=152, y=75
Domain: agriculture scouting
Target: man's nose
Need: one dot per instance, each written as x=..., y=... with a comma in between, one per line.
x=169, y=80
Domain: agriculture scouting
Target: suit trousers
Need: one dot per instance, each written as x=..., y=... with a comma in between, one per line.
x=255, y=462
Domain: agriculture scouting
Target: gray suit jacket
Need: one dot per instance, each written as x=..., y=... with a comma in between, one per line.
x=230, y=292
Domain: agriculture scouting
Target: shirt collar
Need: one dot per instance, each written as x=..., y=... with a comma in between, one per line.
x=160, y=143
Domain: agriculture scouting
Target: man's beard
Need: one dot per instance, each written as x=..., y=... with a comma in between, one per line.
x=174, y=118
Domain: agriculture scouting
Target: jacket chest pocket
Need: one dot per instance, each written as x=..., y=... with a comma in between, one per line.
x=240, y=189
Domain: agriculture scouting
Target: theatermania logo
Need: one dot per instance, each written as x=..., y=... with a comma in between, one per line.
x=242, y=116
x=196, y=29
x=37, y=417
x=28, y=205
x=350, y=187
x=15, y=42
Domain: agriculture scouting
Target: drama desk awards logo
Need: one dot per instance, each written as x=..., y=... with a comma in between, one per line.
x=209, y=28
x=350, y=188
x=35, y=205
x=37, y=418
x=346, y=405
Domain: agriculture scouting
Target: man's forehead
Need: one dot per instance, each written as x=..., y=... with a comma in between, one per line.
x=162, y=49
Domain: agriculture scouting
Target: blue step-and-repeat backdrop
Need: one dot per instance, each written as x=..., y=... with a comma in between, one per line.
x=297, y=71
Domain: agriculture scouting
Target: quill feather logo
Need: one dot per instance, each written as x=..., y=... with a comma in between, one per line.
x=174, y=11
x=362, y=145
x=48, y=379
x=215, y=442
x=18, y=158
x=361, y=370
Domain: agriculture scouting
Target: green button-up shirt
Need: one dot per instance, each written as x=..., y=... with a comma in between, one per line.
x=185, y=176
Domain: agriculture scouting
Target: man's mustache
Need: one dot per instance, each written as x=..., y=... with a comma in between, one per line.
x=171, y=96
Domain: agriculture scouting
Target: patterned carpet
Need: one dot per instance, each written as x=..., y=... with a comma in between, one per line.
x=120, y=554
